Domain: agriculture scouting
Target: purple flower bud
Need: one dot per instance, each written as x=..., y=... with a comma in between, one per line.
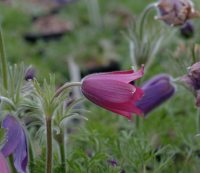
x=187, y=30
x=113, y=163
x=156, y=91
x=29, y=74
x=15, y=143
x=176, y=12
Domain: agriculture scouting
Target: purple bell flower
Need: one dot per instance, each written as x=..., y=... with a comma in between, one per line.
x=3, y=164
x=16, y=143
x=156, y=91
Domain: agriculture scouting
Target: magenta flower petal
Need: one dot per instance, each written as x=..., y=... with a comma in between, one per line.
x=113, y=91
x=3, y=164
x=156, y=91
x=123, y=76
x=16, y=143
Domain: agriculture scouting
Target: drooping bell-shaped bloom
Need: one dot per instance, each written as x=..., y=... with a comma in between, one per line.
x=15, y=143
x=176, y=12
x=192, y=81
x=156, y=91
x=3, y=164
x=113, y=91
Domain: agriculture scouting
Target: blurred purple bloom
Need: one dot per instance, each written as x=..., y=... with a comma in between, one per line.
x=176, y=12
x=156, y=91
x=187, y=30
x=3, y=164
x=15, y=143
x=112, y=162
x=192, y=81
x=29, y=74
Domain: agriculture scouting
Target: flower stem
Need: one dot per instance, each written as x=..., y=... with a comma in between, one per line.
x=49, y=144
x=143, y=17
x=65, y=86
x=3, y=61
x=198, y=121
x=12, y=168
x=132, y=54
x=62, y=153
x=31, y=155
x=94, y=13
x=137, y=122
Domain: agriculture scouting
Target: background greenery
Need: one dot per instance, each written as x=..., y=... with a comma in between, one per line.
x=166, y=141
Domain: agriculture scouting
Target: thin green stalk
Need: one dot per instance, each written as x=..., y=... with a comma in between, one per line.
x=65, y=86
x=61, y=143
x=132, y=54
x=193, y=54
x=12, y=168
x=4, y=66
x=31, y=155
x=49, y=144
x=137, y=122
x=198, y=121
x=94, y=12
x=144, y=169
x=143, y=17
x=153, y=53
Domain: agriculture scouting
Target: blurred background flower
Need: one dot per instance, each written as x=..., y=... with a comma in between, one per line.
x=176, y=12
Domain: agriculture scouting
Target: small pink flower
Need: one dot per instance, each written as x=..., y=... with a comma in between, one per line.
x=113, y=91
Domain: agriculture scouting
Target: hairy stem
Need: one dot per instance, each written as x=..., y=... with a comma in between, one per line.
x=137, y=122
x=49, y=144
x=94, y=13
x=62, y=152
x=65, y=86
x=143, y=17
x=12, y=167
x=3, y=61
x=198, y=121
x=132, y=54
x=31, y=156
